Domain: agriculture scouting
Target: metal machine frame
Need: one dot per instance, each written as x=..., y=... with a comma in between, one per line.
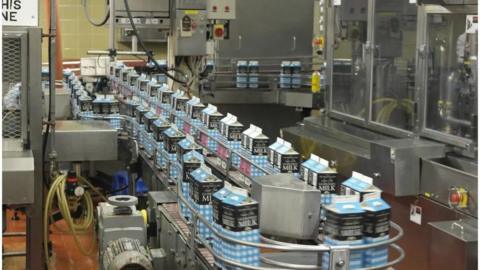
x=32, y=135
x=366, y=122
x=421, y=79
x=419, y=129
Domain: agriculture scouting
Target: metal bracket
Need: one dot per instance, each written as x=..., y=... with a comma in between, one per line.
x=339, y=258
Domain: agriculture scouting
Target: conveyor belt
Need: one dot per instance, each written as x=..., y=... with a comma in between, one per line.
x=173, y=211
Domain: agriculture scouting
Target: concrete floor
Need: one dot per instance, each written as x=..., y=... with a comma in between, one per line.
x=65, y=256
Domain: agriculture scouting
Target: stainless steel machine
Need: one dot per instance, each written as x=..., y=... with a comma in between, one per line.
x=22, y=133
x=401, y=108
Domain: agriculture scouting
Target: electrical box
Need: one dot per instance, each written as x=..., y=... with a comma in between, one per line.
x=221, y=9
x=145, y=13
x=190, y=4
x=190, y=32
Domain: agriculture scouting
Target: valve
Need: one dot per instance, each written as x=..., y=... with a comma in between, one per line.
x=71, y=183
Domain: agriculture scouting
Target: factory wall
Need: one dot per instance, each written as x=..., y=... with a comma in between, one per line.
x=79, y=36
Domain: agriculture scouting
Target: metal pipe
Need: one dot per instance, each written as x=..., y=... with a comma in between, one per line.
x=457, y=121
x=14, y=234
x=52, y=66
x=14, y=254
x=134, y=43
x=111, y=26
x=98, y=52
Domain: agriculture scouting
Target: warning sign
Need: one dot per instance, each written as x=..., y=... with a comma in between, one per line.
x=20, y=12
x=471, y=25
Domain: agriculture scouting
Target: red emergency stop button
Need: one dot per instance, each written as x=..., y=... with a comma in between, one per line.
x=227, y=9
x=455, y=198
x=214, y=8
x=219, y=32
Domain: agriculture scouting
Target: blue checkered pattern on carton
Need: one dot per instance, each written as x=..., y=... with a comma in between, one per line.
x=202, y=185
x=296, y=68
x=184, y=210
x=242, y=76
x=153, y=101
x=169, y=162
x=150, y=145
x=203, y=231
x=175, y=169
x=240, y=253
x=376, y=229
x=286, y=75
x=192, y=160
x=375, y=256
x=142, y=134
x=166, y=108
x=159, y=155
x=179, y=119
x=218, y=244
x=259, y=160
x=340, y=231
x=235, y=145
x=135, y=128
x=253, y=70
x=116, y=122
x=356, y=257
x=212, y=144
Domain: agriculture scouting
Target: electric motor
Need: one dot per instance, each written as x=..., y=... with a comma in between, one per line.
x=126, y=254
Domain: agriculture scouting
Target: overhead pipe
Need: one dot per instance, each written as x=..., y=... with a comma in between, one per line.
x=58, y=38
x=55, y=71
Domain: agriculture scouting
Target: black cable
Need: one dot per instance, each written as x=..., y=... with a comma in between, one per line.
x=142, y=45
x=116, y=190
x=49, y=116
x=87, y=15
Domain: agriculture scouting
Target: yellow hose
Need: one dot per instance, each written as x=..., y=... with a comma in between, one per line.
x=58, y=190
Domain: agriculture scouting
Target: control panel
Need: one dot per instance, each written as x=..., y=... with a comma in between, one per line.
x=221, y=9
x=319, y=39
x=190, y=31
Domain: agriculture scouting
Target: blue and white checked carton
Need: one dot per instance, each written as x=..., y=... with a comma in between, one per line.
x=150, y=145
x=239, y=253
x=184, y=210
x=375, y=256
x=207, y=139
x=343, y=226
x=376, y=228
x=203, y=184
x=356, y=257
x=242, y=227
x=238, y=215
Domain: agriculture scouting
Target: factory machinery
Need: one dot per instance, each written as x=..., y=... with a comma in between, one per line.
x=189, y=148
x=178, y=183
